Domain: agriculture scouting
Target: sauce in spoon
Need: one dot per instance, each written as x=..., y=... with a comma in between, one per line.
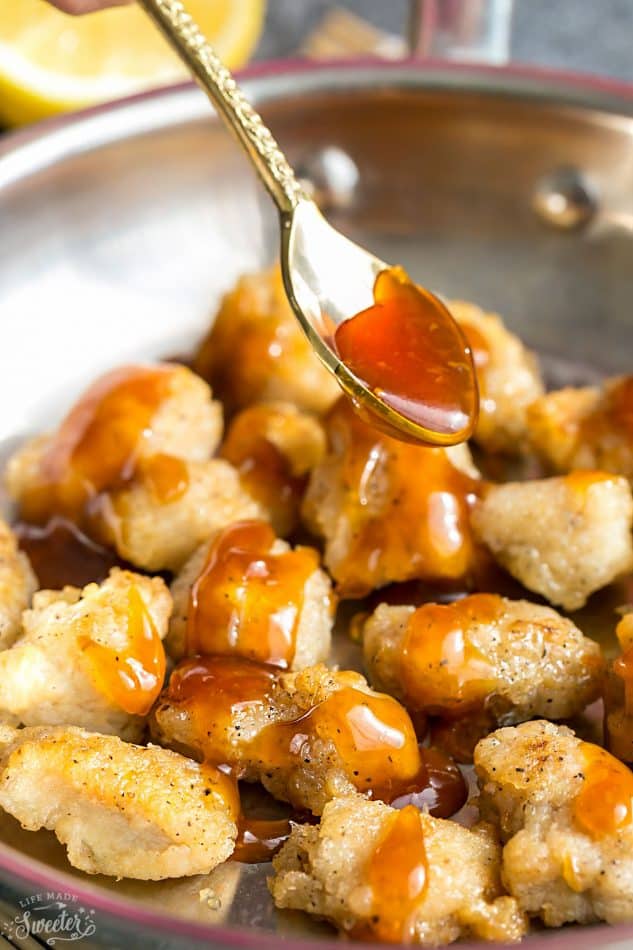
x=411, y=353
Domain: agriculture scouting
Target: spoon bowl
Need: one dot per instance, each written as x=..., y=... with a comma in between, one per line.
x=418, y=379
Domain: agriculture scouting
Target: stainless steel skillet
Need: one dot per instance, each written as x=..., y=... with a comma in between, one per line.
x=120, y=228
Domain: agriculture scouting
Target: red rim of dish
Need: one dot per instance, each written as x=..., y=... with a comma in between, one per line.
x=123, y=909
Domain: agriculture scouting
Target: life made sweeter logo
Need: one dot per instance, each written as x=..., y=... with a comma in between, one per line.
x=52, y=917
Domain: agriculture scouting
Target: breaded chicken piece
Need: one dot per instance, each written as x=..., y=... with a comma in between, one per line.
x=618, y=697
x=389, y=510
x=563, y=808
x=588, y=428
x=508, y=375
x=90, y=657
x=186, y=423
x=17, y=585
x=306, y=601
x=517, y=659
x=563, y=537
x=274, y=446
x=256, y=351
x=161, y=535
x=307, y=737
x=120, y=809
x=401, y=877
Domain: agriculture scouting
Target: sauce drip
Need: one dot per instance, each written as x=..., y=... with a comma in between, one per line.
x=258, y=839
x=97, y=447
x=131, y=677
x=61, y=554
x=605, y=801
x=247, y=601
x=442, y=671
x=623, y=668
x=264, y=471
x=397, y=875
x=408, y=349
x=403, y=526
x=439, y=788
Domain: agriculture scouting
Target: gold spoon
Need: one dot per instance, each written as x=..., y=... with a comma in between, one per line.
x=329, y=279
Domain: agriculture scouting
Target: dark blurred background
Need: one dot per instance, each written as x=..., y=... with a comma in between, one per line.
x=583, y=35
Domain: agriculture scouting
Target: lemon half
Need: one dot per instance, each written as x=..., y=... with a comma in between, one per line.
x=51, y=62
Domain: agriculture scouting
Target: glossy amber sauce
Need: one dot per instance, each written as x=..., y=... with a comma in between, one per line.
x=223, y=790
x=131, y=678
x=605, y=801
x=439, y=787
x=408, y=349
x=264, y=471
x=210, y=690
x=96, y=448
x=372, y=733
x=441, y=669
x=258, y=839
x=61, y=554
x=167, y=476
x=408, y=508
x=397, y=875
x=246, y=600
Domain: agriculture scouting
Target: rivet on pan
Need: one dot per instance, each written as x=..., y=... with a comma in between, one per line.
x=330, y=177
x=564, y=199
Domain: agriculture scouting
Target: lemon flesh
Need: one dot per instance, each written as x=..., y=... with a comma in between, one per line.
x=51, y=62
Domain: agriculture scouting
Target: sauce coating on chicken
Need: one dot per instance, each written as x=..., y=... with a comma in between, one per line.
x=96, y=449
x=437, y=639
x=397, y=875
x=247, y=600
x=405, y=508
x=133, y=677
x=605, y=801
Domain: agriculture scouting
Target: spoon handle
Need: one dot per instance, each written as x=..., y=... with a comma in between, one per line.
x=183, y=33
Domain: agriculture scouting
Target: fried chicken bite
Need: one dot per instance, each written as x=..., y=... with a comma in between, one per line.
x=510, y=658
x=563, y=538
x=390, y=510
x=307, y=737
x=159, y=534
x=139, y=437
x=564, y=811
x=256, y=351
x=274, y=446
x=91, y=657
x=122, y=810
x=17, y=585
x=247, y=593
x=508, y=375
x=396, y=876
x=587, y=428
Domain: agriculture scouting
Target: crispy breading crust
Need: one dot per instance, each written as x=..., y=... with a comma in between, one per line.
x=321, y=870
x=120, y=809
x=530, y=776
x=509, y=380
x=563, y=537
x=540, y=664
x=17, y=585
x=45, y=678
